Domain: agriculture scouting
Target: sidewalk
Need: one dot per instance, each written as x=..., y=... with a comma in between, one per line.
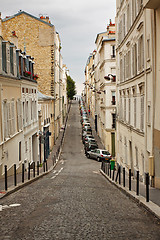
x=51, y=163
x=154, y=194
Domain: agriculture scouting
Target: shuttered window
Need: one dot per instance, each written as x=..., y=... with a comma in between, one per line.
x=19, y=115
x=4, y=57
x=11, y=61
x=135, y=115
x=142, y=113
x=13, y=126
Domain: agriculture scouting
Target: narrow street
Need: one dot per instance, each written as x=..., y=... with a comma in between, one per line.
x=74, y=201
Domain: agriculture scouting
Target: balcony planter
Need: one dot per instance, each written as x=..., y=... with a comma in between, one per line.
x=27, y=74
x=35, y=76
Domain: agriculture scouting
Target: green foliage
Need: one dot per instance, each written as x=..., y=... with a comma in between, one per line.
x=71, y=88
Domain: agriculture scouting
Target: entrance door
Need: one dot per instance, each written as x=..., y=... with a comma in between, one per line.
x=113, y=144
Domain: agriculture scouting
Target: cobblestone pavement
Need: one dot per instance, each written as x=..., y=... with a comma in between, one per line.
x=74, y=201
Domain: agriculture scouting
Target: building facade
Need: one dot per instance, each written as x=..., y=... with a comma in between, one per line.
x=134, y=86
x=154, y=7
x=18, y=109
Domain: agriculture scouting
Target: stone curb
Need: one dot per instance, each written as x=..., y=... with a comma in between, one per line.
x=149, y=206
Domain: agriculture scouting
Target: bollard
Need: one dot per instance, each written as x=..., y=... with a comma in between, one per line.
x=28, y=171
x=108, y=169
x=119, y=175
x=15, y=176
x=147, y=187
x=34, y=174
x=5, y=172
x=22, y=172
x=137, y=191
x=37, y=168
x=110, y=174
x=129, y=179
x=124, y=182
x=113, y=174
x=46, y=166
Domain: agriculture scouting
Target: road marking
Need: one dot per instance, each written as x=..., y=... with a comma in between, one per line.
x=6, y=206
x=95, y=172
x=57, y=173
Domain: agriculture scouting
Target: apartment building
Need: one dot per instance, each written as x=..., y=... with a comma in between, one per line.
x=134, y=86
x=154, y=7
x=37, y=36
x=18, y=108
x=105, y=78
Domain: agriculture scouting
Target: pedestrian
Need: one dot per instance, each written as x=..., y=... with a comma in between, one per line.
x=89, y=111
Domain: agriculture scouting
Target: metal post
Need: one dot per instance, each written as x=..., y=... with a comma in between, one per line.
x=34, y=169
x=28, y=171
x=46, y=166
x=110, y=170
x=22, y=172
x=37, y=168
x=129, y=179
x=113, y=174
x=5, y=171
x=147, y=187
x=124, y=182
x=119, y=175
x=15, y=176
x=137, y=192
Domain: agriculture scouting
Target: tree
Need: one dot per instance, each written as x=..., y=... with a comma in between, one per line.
x=71, y=88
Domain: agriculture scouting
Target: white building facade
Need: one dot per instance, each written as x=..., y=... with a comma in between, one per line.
x=134, y=86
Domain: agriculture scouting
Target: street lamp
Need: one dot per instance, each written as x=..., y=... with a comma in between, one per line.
x=110, y=77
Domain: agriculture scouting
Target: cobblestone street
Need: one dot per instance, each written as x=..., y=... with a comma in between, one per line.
x=74, y=201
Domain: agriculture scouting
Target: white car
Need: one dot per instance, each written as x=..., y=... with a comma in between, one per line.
x=99, y=154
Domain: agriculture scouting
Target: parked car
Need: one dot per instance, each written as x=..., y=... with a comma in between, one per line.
x=86, y=128
x=86, y=137
x=90, y=146
x=90, y=140
x=99, y=155
x=85, y=124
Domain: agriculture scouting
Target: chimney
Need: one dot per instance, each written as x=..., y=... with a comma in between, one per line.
x=14, y=39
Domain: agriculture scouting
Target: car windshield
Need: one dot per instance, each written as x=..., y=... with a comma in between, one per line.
x=105, y=153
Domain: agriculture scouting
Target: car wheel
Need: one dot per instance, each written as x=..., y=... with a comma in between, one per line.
x=88, y=156
x=98, y=159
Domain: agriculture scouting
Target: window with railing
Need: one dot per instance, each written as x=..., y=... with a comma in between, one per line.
x=114, y=121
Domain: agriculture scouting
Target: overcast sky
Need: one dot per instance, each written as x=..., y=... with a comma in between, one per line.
x=77, y=21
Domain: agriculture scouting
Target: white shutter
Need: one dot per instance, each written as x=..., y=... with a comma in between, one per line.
x=12, y=117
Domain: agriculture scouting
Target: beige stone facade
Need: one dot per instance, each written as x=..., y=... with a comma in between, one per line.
x=36, y=37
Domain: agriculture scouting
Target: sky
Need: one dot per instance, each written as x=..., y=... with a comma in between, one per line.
x=77, y=21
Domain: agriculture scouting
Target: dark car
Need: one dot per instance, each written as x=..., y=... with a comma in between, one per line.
x=90, y=146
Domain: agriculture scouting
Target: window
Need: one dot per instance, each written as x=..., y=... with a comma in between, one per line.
x=11, y=60
x=136, y=152
x=5, y=118
x=113, y=51
x=124, y=109
x=4, y=57
x=149, y=114
x=148, y=49
x=140, y=54
x=19, y=115
x=113, y=98
x=129, y=110
x=113, y=120
x=142, y=113
x=135, y=115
